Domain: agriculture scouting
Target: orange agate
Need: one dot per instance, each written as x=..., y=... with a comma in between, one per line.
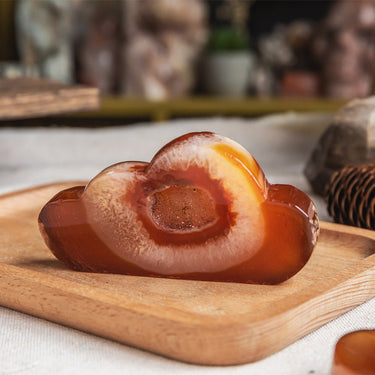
x=202, y=209
x=355, y=354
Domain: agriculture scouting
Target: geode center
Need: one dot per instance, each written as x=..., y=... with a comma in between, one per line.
x=182, y=208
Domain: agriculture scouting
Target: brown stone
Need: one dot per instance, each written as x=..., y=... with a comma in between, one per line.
x=350, y=139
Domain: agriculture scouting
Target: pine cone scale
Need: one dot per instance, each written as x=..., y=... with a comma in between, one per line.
x=350, y=196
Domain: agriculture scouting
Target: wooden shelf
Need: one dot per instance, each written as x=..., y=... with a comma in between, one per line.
x=25, y=98
x=206, y=106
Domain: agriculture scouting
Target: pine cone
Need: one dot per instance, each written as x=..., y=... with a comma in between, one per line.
x=351, y=196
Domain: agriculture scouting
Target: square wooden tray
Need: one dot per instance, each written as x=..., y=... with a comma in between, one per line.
x=198, y=322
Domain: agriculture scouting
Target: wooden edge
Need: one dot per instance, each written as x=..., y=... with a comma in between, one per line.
x=210, y=344
x=348, y=229
x=43, y=186
x=90, y=292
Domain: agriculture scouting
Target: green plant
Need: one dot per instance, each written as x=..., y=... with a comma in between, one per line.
x=227, y=39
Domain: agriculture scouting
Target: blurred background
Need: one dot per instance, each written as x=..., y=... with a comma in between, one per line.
x=160, y=59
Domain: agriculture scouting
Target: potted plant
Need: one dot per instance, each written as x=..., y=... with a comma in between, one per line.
x=227, y=63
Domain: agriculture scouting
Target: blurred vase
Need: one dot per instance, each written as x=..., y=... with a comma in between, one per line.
x=43, y=30
x=98, y=41
x=227, y=73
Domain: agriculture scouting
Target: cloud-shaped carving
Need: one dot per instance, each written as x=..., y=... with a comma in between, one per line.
x=201, y=209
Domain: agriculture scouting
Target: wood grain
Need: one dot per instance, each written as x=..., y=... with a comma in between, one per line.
x=193, y=321
x=22, y=98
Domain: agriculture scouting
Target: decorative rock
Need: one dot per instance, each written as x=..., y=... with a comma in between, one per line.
x=347, y=35
x=44, y=37
x=350, y=139
x=163, y=42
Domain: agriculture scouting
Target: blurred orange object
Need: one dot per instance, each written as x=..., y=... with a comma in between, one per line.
x=300, y=83
x=355, y=354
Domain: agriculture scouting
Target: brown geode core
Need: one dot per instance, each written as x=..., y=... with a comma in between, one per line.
x=182, y=208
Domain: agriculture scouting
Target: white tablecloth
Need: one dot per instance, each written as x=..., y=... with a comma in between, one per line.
x=28, y=157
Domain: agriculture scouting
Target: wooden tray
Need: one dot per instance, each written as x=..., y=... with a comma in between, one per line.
x=199, y=322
